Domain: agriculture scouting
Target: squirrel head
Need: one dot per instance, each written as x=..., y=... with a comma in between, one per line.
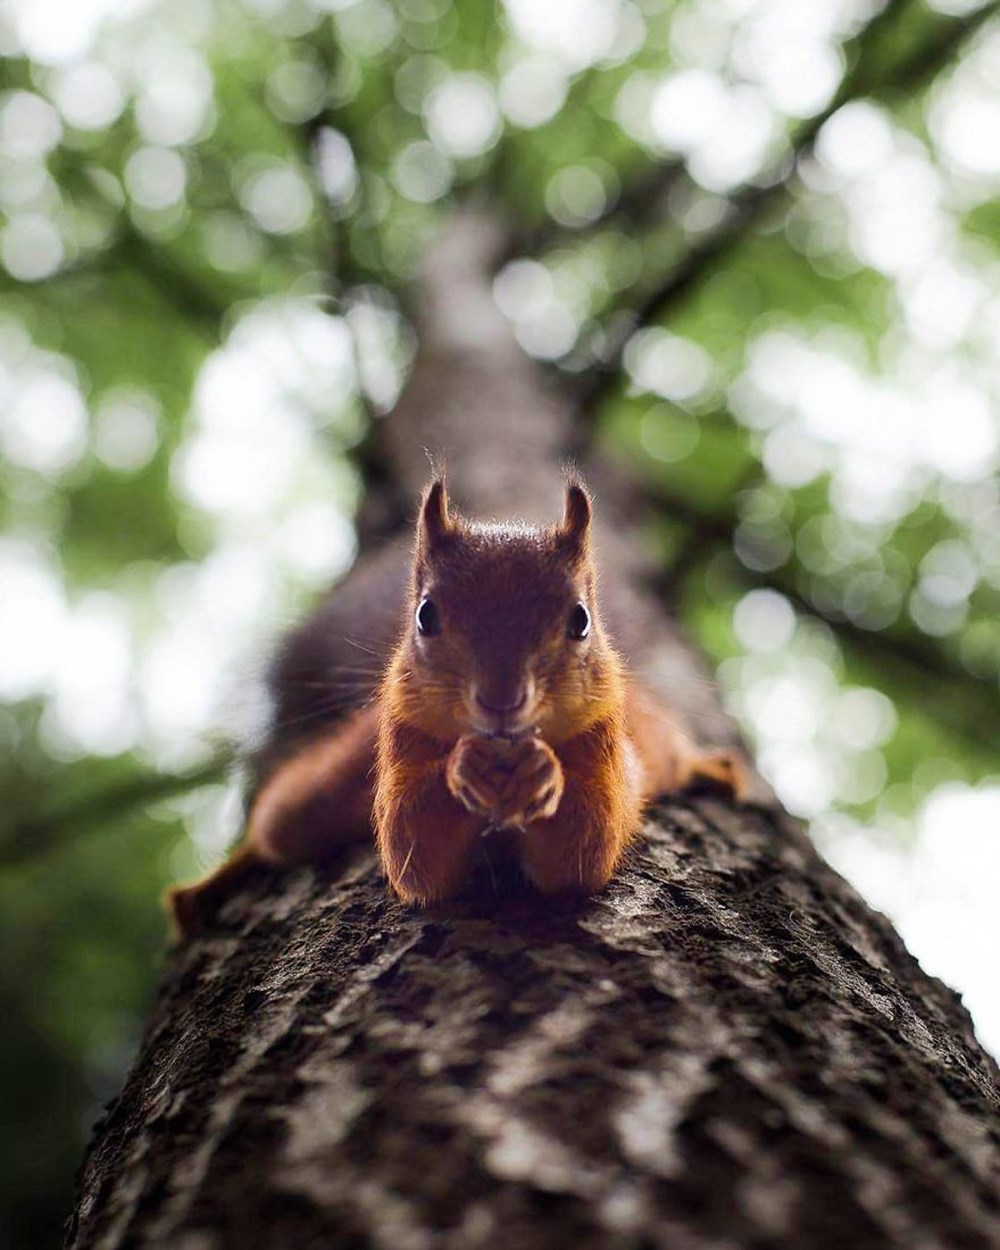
x=503, y=635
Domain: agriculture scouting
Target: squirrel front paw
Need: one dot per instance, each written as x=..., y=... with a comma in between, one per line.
x=476, y=773
x=720, y=769
x=511, y=783
x=534, y=784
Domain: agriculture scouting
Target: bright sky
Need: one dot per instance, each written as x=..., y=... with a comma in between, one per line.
x=57, y=31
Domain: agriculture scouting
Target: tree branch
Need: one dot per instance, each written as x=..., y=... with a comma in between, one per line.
x=749, y=204
x=40, y=835
x=912, y=656
x=645, y=192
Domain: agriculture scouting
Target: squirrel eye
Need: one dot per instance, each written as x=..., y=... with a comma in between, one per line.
x=578, y=626
x=428, y=621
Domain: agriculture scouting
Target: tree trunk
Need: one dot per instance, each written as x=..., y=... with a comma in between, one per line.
x=724, y=1048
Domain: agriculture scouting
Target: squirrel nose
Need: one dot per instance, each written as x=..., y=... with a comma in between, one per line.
x=503, y=709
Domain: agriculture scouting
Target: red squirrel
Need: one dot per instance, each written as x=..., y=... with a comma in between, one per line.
x=502, y=705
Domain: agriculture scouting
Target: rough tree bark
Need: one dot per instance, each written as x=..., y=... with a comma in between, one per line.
x=725, y=1048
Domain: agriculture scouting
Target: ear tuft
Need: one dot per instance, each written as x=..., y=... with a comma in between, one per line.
x=574, y=529
x=435, y=525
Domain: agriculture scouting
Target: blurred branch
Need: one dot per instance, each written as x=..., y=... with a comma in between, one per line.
x=507, y=177
x=199, y=305
x=640, y=203
x=644, y=195
x=344, y=271
x=911, y=72
x=196, y=302
x=975, y=714
x=916, y=71
x=342, y=263
x=40, y=835
x=965, y=703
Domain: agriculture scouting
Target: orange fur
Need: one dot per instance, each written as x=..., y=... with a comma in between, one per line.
x=498, y=717
x=570, y=768
x=318, y=800
x=424, y=837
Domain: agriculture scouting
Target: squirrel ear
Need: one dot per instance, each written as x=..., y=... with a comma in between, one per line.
x=435, y=524
x=574, y=529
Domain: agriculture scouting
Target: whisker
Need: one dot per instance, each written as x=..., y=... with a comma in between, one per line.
x=330, y=709
x=361, y=647
x=358, y=680
x=332, y=687
x=406, y=862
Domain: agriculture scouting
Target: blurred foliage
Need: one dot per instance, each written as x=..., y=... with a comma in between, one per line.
x=211, y=215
